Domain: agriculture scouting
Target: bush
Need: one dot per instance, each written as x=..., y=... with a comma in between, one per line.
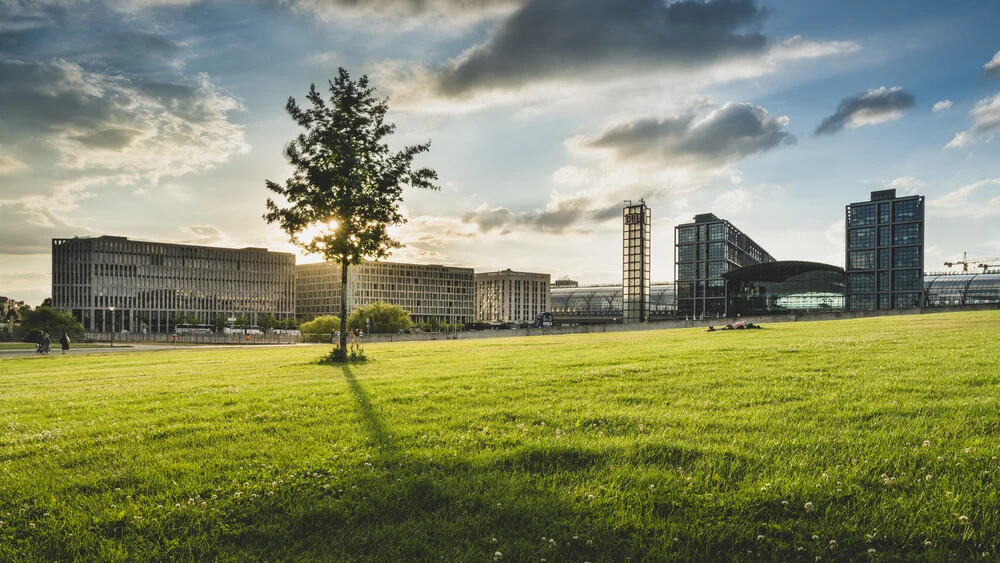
x=319, y=329
x=52, y=321
x=354, y=354
x=379, y=318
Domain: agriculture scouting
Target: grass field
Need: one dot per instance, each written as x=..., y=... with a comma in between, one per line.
x=866, y=440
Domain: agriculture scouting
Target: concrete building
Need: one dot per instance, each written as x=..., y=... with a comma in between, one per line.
x=704, y=250
x=509, y=296
x=113, y=283
x=426, y=291
x=885, y=252
x=636, y=221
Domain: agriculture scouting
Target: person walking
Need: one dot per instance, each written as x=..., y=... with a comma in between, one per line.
x=64, y=342
x=46, y=343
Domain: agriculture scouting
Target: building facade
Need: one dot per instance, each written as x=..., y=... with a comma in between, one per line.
x=885, y=252
x=636, y=222
x=509, y=296
x=777, y=288
x=426, y=291
x=113, y=283
x=704, y=250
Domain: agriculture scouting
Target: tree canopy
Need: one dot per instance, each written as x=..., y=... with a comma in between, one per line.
x=379, y=318
x=346, y=184
x=319, y=329
x=52, y=321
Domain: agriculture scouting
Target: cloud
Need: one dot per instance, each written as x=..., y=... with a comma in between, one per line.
x=985, y=123
x=11, y=165
x=993, y=67
x=559, y=216
x=118, y=123
x=964, y=203
x=906, y=184
x=734, y=202
x=729, y=134
x=412, y=11
x=942, y=105
x=869, y=108
x=28, y=228
x=549, y=46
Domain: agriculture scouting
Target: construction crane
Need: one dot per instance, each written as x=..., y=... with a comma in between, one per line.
x=984, y=263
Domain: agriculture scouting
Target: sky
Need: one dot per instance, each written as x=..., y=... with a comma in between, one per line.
x=162, y=119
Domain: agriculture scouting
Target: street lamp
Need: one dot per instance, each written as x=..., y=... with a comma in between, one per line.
x=112, y=309
x=368, y=326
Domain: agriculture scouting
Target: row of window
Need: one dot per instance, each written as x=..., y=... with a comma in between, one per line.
x=905, y=210
x=864, y=237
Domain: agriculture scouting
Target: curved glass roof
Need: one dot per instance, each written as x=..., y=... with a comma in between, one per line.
x=778, y=271
x=607, y=301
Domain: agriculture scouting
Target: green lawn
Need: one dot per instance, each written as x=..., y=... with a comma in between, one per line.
x=867, y=440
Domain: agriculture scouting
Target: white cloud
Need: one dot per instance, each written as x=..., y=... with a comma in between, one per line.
x=993, y=67
x=11, y=165
x=734, y=202
x=985, y=123
x=942, y=105
x=906, y=184
x=967, y=201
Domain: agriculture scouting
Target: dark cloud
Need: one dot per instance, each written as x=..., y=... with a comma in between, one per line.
x=557, y=217
x=548, y=39
x=108, y=139
x=868, y=108
x=29, y=229
x=731, y=133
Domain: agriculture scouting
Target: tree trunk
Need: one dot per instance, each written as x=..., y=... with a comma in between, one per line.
x=343, y=306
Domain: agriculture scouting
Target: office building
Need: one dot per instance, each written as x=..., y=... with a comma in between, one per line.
x=885, y=252
x=636, y=221
x=704, y=250
x=113, y=283
x=776, y=288
x=426, y=291
x=509, y=296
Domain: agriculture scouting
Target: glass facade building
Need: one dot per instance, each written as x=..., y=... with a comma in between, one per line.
x=636, y=220
x=593, y=305
x=113, y=283
x=509, y=296
x=885, y=252
x=944, y=290
x=704, y=251
x=776, y=288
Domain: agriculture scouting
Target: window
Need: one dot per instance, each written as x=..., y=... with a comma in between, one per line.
x=906, y=234
x=687, y=234
x=861, y=283
x=686, y=271
x=716, y=251
x=906, y=257
x=883, y=236
x=716, y=231
x=907, y=210
x=883, y=259
x=860, y=215
x=715, y=269
x=861, y=238
x=883, y=212
x=906, y=280
x=861, y=260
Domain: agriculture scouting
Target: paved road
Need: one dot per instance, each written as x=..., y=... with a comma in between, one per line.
x=56, y=351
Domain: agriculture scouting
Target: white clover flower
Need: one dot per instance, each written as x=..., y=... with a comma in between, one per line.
x=31, y=525
x=809, y=507
x=759, y=538
x=927, y=478
x=963, y=519
x=833, y=544
x=815, y=538
x=928, y=543
x=927, y=443
x=497, y=556
x=871, y=551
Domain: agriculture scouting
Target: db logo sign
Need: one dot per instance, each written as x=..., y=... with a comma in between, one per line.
x=632, y=219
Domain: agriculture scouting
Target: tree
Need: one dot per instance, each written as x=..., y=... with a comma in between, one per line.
x=52, y=321
x=346, y=184
x=267, y=322
x=320, y=329
x=379, y=318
